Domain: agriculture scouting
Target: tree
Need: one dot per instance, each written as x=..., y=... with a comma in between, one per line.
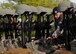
x=45, y=3
x=6, y=5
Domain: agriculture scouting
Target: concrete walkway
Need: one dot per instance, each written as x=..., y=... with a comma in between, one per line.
x=34, y=47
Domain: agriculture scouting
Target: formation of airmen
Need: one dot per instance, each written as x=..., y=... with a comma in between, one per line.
x=16, y=26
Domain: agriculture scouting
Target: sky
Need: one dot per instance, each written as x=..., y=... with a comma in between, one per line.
x=6, y=1
x=73, y=1
x=3, y=1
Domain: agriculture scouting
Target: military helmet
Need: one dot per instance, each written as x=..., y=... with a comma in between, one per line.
x=56, y=9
